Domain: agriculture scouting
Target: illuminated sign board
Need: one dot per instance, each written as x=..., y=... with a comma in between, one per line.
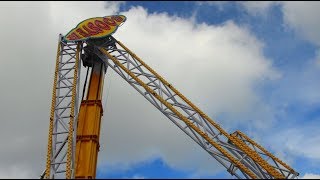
x=97, y=27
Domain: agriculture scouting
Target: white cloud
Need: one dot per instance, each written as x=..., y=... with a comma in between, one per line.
x=299, y=15
x=14, y=172
x=317, y=59
x=258, y=7
x=311, y=176
x=29, y=35
x=219, y=4
x=302, y=16
x=216, y=67
x=66, y=19
x=299, y=87
x=298, y=141
x=136, y=176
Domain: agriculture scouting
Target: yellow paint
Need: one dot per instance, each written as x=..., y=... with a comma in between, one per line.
x=71, y=121
x=239, y=133
x=53, y=103
x=88, y=129
x=235, y=141
x=183, y=118
x=252, y=154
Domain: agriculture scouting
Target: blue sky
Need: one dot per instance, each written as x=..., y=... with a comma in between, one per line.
x=290, y=54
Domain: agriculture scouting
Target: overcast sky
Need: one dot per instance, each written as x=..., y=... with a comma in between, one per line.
x=252, y=66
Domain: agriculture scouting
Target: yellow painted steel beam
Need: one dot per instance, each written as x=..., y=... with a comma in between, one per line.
x=88, y=128
x=71, y=121
x=263, y=150
x=183, y=118
x=53, y=103
x=252, y=154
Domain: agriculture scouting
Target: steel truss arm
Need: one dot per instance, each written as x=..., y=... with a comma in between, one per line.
x=275, y=162
x=230, y=151
x=64, y=111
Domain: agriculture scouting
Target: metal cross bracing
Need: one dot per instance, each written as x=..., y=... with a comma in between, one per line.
x=285, y=170
x=64, y=111
x=230, y=151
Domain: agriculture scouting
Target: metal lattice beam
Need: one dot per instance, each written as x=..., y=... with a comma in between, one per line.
x=275, y=162
x=241, y=156
x=64, y=111
x=231, y=152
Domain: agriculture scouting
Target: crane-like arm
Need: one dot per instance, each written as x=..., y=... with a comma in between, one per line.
x=232, y=152
x=73, y=141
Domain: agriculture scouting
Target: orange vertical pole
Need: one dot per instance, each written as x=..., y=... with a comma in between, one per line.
x=88, y=128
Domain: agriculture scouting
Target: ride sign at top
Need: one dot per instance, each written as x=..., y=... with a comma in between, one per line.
x=97, y=27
